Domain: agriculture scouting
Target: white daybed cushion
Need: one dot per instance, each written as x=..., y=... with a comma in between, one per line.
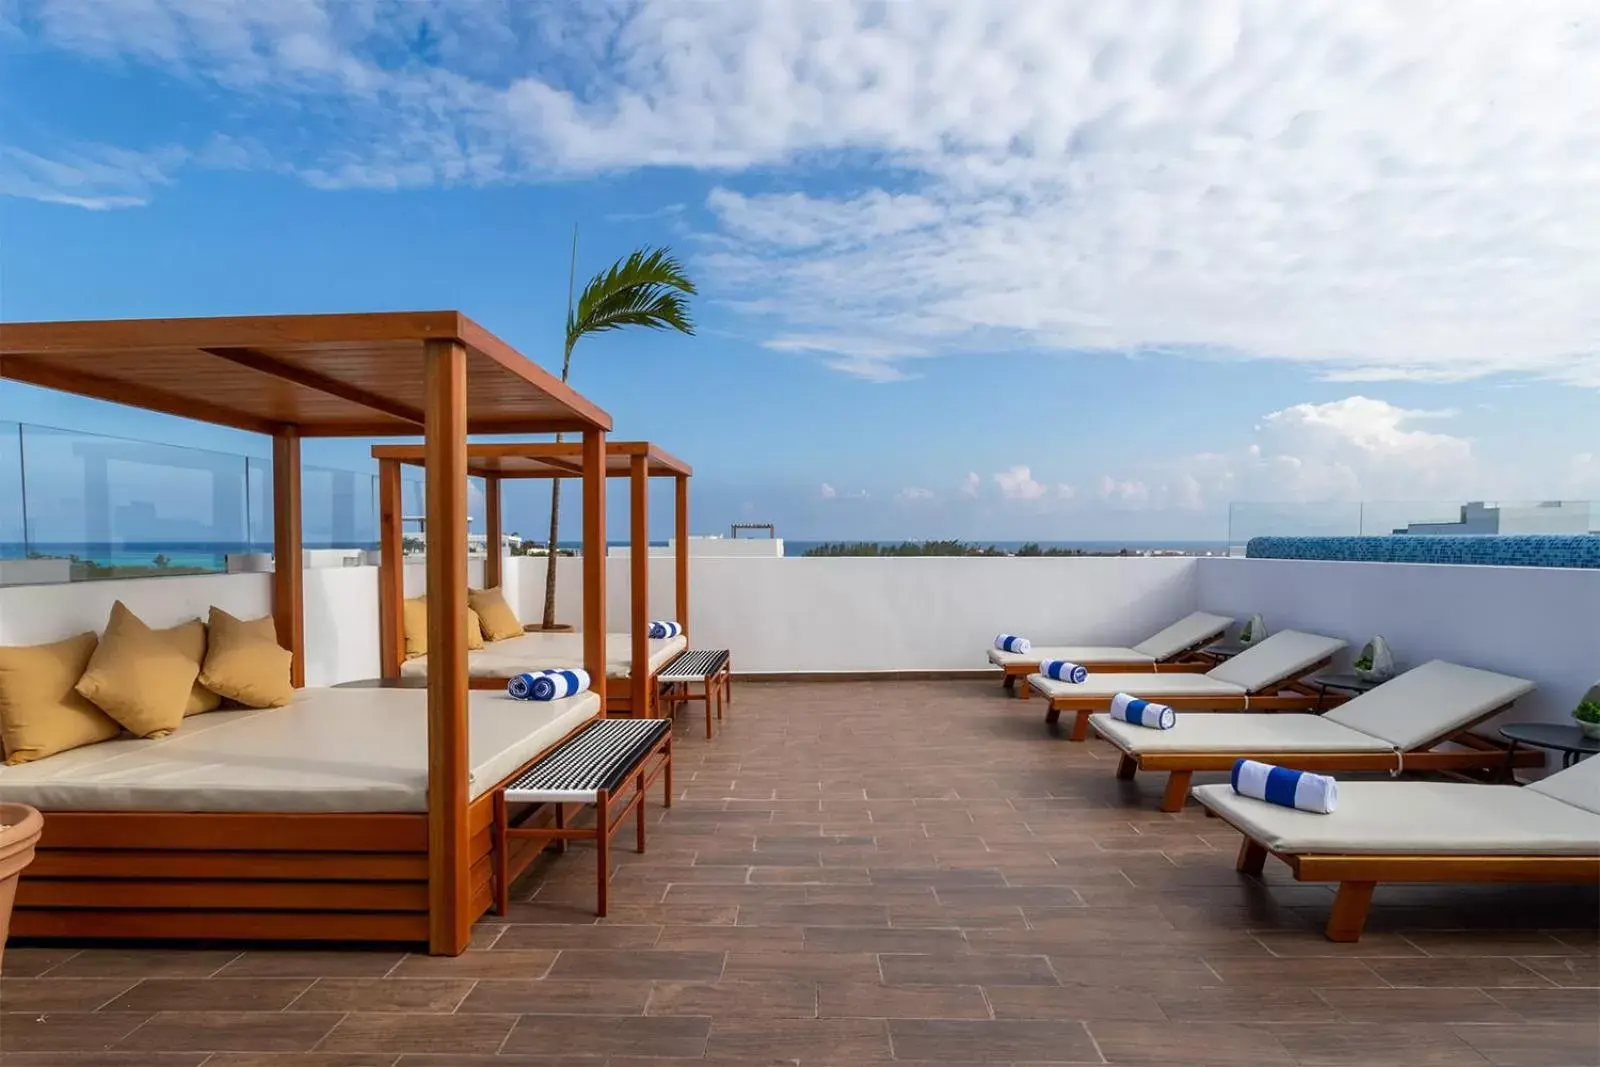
x=1193, y=630
x=1428, y=702
x=1281, y=656
x=1150, y=686
x=1416, y=818
x=332, y=750
x=1245, y=734
x=542, y=651
x=1072, y=653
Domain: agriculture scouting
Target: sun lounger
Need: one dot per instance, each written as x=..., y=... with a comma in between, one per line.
x=1424, y=832
x=1267, y=677
x=1173, y=648
x=1395, y=727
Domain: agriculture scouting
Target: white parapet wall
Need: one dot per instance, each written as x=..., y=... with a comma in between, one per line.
x=1540, y=623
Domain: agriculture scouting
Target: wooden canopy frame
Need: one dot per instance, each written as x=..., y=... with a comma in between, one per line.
x=638, y=461
x=312, y=876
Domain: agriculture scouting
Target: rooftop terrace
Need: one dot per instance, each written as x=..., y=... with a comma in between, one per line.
x=863, y=872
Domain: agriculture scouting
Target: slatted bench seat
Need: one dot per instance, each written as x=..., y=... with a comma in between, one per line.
x=712, y=668
x=610, y=757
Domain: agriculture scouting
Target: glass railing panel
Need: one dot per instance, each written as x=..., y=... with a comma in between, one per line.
x=13, y=528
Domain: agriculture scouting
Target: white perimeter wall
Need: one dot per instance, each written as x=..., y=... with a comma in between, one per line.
x=1540, y=623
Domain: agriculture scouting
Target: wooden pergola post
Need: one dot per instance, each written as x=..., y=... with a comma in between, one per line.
x=288, y=559
x=391, y=570
x=491, y=531
x=639, y=584
x=681, y=534
x=594, y=561
x=449, y=861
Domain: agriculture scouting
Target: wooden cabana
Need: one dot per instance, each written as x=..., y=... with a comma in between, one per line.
x=334, y=876
x=638, y=461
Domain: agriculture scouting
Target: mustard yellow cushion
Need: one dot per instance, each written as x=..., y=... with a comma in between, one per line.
x=138, y=677
x=40, y=712
x=190, y=639
x=498, y=620
x=414, y=616
x=244, y=663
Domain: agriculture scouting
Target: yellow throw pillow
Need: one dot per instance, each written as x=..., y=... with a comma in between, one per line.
x=190, y=639
x=244, y=663
x=138, y=677
x=499, y=621
x=414, y=614
x=40, y=712
x=474, y=630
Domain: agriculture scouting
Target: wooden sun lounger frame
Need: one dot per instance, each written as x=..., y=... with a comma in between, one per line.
x=293, y=876
x=1358, y=875
x=638, y=461
x=1290, y=694
x=1477, y=754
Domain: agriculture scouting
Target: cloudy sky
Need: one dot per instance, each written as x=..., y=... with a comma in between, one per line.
x=986, y=270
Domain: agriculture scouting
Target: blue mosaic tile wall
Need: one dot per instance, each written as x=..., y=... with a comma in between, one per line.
x=1526, y=550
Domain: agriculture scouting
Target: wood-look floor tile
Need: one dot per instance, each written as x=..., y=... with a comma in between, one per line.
x=1274, y=973
x=661, y=964
x=1417, y=1005
x=860, y=1000
x=1550, y=1005
x=1582, y=972
x=1387, y=1045
x=745, y=1000
x=311, y=963
x=211, y=994
x=141, y=963
x=732, y=938
x=490, y=963
x=556, y=996
x=401, y=1032
x=814, y=914
x=301, y=1059
x=66, y=1031
x=632, y=1035
x=112, y=1059
x=1535, y=1045
x=1234, y=1004
x=1483, y=972
x=1309, y=941
x=384, y=994
x=32, y=961
x=822, y=1041
x=883, y=939
x=231, y=1031
x=60, y=994
x=675, y=914
x=1186, y=1044
x=551, y=936
x=1488, y=943
x=1084, y=1003
x=992, y=1041
x=1150, y=974
x=972, y=969
x=801, y=966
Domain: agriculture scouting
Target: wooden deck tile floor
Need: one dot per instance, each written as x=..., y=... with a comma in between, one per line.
x=857, y=873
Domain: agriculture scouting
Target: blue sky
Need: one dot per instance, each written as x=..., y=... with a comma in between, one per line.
x=1115, y=275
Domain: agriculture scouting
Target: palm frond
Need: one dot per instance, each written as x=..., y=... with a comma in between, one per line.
x=645, y=289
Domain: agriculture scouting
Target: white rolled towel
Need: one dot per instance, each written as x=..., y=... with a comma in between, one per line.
x=1012, y=643
x=1290, y=789
x=1141, y=712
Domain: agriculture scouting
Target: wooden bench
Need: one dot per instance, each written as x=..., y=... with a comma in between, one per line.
x=712, y=668
x=607, y=760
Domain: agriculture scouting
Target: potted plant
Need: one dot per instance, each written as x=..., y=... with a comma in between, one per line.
x=1588, y=715
x=19, y=832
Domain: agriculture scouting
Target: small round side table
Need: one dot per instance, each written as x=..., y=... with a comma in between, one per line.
x=1567, y=740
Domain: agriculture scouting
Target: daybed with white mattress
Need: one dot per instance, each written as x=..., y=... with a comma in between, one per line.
x=1172, y=648
x=1424, y=832
x=1267, y=677
x=1396, y=727
x=302, y=822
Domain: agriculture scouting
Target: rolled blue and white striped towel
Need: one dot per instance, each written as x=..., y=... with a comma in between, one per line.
x=663, y=629
x=1291, y=789
x=1140, y=712
x=548, y=685
x=1012, y=643
x=1064, y=671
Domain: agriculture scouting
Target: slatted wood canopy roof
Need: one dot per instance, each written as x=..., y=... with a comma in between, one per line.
x=359, y=375
x=547, y=459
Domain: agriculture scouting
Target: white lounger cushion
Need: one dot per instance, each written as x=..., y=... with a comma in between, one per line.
x=1191, y=631
x=1283, y=655
x=1416, y=818
x=1151, y=686
x=330, y=750
x=1242, y=734
x=542, y=651
x=1578, y=785
x=1428, y=703
x=1071, y=653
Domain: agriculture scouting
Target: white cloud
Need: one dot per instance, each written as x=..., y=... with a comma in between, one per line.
x=914, y=493
x=1066, y=492
x=1378, y=190
x=827, y=492
x=971, y=485
x=96, y=177
x=1017, y=483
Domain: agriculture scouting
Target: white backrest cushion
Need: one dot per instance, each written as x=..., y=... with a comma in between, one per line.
x=1578, y=785
x=1428, y=702
x=1188, y=632
x=1284, y=655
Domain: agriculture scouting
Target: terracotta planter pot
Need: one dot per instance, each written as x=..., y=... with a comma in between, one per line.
x=19, y=832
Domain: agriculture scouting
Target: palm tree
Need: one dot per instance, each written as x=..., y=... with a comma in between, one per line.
x=646, y=289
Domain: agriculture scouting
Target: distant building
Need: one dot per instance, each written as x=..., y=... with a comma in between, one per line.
x=1478, y=517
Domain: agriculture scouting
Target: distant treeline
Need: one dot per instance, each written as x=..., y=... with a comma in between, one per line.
x=943, y=548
